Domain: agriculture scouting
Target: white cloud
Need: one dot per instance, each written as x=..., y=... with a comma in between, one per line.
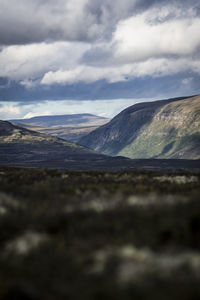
x=28, y=83
x=35, y=114
x=154, y=42
x=9, y=110
x=121, y=40
x=105, y=108
x=138, y=39
x=84, y=74
x=187, y=81
x=152, y=67
x=27, y=62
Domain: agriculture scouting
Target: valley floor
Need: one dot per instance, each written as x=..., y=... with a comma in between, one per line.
x=99, y=235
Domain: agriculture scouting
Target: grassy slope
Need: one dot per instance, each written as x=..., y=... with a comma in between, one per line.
x=161, y=129
x=72, y=134
x=111, y=138
x=14, y=134
x=174, y=132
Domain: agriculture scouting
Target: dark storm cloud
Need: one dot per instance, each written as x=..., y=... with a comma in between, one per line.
x=23, y=21
x=145, y=4
x=166, y=86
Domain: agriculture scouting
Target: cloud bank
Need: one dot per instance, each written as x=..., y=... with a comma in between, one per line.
x=71, y=42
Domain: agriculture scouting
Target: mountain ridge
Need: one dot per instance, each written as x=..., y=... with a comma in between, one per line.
x=68, y=127
x=18, y=144
x=126, y=134
x=59, y=120
x=20, y=147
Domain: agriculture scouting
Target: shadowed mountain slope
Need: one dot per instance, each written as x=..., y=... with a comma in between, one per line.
x=160, y=129
x=22, y=145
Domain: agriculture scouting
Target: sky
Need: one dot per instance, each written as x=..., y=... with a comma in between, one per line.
x=73, y=56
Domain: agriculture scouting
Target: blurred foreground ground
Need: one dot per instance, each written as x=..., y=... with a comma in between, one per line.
x=99, y=235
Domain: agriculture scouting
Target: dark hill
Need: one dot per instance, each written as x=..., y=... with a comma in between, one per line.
x=20, y=146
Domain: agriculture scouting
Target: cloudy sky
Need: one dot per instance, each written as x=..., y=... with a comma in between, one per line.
x=70, y=56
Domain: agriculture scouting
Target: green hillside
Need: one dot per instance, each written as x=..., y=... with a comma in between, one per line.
x=174, y=132
x=160, y=129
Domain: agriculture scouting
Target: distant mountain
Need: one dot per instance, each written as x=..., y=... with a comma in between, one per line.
x=72, y=134
x=64, y=120
x=67, y=127
x=161, y=129
x=20, y=146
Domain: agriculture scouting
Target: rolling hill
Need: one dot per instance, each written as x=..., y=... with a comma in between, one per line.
x=66, y=120
x=22, y=146
x=161, y=129
x=68, y=127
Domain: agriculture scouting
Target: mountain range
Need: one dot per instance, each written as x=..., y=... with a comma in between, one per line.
x=65, y=120
x=68, y=127
x=20, y=147
x=161, y=129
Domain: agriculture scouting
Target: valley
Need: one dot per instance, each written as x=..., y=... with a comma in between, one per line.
x=21, y=147
x=79, y=224
x=99, y=150
x=67, y=127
